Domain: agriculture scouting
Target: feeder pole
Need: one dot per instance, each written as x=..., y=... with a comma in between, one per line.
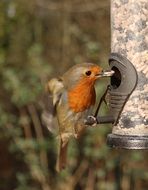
x=129, y=38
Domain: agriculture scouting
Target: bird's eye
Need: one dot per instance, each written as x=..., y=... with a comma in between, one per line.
x=88, y=73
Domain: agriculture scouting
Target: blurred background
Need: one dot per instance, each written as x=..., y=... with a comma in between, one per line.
x=40, y=39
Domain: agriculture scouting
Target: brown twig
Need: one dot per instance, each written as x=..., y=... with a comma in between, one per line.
x=90, y=180
x=39, y=133
x=66, y=38
x=26, y=126
x=78, y=174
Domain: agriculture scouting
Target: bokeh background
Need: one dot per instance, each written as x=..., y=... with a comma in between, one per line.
x=40, y=39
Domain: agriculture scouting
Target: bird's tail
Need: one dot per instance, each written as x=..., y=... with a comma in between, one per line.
x=62, y=157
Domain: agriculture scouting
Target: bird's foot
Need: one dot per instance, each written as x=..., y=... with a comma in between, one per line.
x=91, y=121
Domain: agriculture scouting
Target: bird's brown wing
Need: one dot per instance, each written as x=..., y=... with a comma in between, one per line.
x=55, y=87
x=51, y=98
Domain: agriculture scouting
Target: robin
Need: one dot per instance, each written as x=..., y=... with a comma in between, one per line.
x=73, y=97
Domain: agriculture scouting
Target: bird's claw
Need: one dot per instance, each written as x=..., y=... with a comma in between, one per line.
x=91, y=121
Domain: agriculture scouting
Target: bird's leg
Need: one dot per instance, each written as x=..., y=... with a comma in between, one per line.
x=102, y=100
x=92, y=120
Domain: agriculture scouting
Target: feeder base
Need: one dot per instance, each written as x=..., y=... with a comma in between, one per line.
x=127, y=142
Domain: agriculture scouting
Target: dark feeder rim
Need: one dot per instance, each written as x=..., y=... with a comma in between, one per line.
x=127, y=142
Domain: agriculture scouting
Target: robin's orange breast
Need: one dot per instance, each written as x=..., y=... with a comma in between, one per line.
x=82, y=96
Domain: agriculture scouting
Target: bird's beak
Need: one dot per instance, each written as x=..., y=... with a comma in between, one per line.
x=105, y=73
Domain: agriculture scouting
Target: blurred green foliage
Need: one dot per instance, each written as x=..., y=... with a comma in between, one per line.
x=38, y=40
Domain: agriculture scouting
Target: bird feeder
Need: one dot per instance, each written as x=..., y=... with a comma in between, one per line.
x=129, y=85
x=128, y=89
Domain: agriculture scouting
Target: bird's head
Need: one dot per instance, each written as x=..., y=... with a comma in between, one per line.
x=86, y=73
